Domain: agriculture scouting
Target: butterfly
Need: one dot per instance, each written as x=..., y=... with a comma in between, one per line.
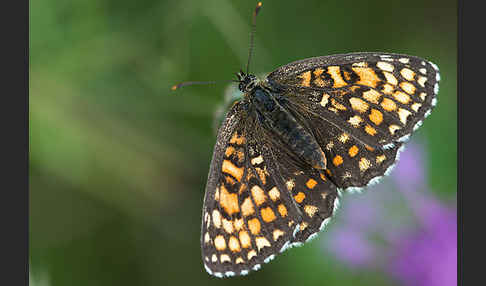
x=310, y=131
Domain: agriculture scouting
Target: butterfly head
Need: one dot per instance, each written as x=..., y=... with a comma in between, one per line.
x=247, y=82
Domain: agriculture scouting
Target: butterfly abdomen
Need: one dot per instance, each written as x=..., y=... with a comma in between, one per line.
x=280, y=122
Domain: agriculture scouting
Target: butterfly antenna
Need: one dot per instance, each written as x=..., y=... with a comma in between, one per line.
x=252, y=34
x=186, y=83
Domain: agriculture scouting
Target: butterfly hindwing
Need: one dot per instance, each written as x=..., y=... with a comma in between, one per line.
x=351, y=164
x=311, y=191
x=379, y=99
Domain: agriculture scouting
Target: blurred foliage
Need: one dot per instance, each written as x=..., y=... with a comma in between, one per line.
x=118, y=162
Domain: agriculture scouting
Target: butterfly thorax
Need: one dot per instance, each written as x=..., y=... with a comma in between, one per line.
x=269, y=108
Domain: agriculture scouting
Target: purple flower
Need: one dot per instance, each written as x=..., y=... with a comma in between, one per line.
x=428, y=256
x=398, y=226
x=352, y=247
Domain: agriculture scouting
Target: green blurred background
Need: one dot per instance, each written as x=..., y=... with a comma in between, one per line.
x=118, y=162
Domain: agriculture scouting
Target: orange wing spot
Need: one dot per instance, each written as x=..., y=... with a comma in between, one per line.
x=388, y=104
x=227, y=225
x=325, y=99
x=372, y=96
x=290, y=184
x=229, y=201
x=335, y=73
x=262, y=242
x=330, y=144
x=277, y=233
x=245, y=239
x=407, y=73
x=344, y=137
x=229, y=151
x=393, y=128
x=337, y=105
x=303, y=225
x=387, y=89
x=258, y=195
x=306, y=78
x=238, y=140
x=323, y=177
x=380, y=159
x=239, y=260
x=206, y=238
x=254, y=226
x=274, y=194
x=407, y=87
x=364, y=164
x=358, y=104
x=366, y=76
x=311, y=183
x=369, y=148
x=231, y=169
x=247, y=207
x=233, y=244
x=216, y=219
x=390, y=78
x=257, y=160
x=328, y=172
x=282, y=210
x=385, y=66
x=262, y=173
x=338, y=160
x=324, y=195
x=239, y=224
x=310, y=210
x=224, y=258
x=376, y=116
x=421, y=80
x=403, y=114
x=423, y=95
x=220, y=243
x=353, y=151
x=355, y=120
x=416, y=106
x=318, y=80
x=267, y=214
x=299, y=197
x=251, y=254
x=207, y=218
x=401, y=97
x=370, y=130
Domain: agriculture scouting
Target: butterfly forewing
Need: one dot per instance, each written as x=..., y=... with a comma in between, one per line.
x=247, y=217
x=379, y=99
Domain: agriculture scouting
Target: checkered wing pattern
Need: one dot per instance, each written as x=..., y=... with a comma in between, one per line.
x=351, y=164
x=260, y=200
x=247, y=216
x=283, y=153
x=312, y=192
x=378, y=99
